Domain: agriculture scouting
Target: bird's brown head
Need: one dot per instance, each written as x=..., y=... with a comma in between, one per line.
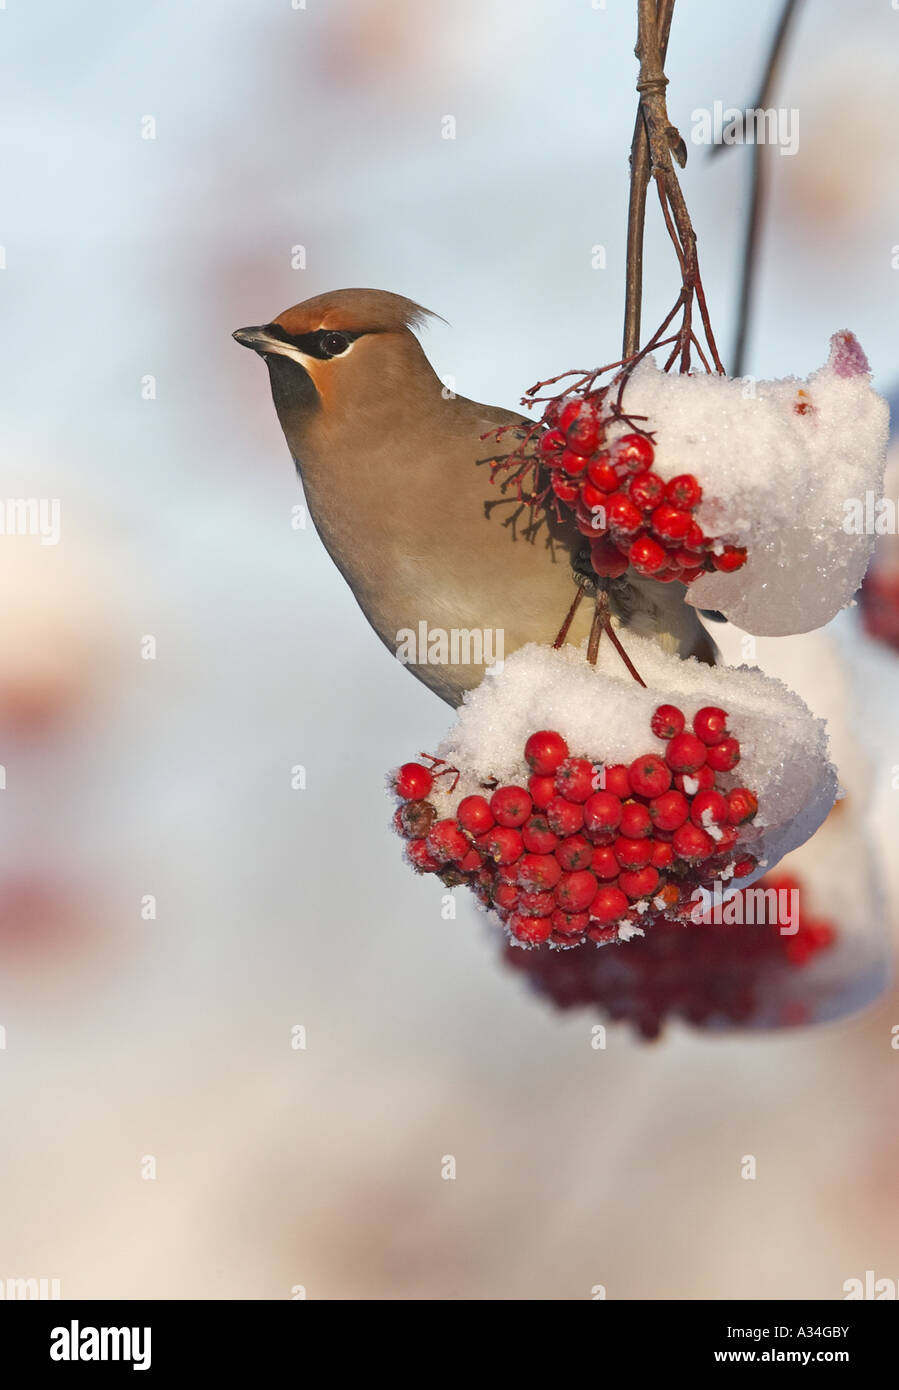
x=340, y=355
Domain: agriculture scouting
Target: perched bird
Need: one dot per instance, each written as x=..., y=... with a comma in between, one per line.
x=397, y=479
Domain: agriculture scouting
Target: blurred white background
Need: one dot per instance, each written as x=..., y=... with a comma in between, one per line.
x=128, y=258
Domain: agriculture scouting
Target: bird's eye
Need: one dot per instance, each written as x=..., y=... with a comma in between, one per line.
x=335, y=343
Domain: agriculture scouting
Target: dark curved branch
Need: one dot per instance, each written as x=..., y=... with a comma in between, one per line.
x=757, y=192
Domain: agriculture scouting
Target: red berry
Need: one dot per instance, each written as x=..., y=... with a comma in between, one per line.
x=646, y=490
x=544, y=751
x=727, y=838
x=692, y=782
x=662, y=854
x=708, y=808
x=648, y=775
x=595, y=501
x=667, y=721
x=565, y=489
x=532, y=930
x=745, y=866
x=537, y=904
x=604, y=864
x=670, y=894
x=538, y=873
x=421, y=857
x=640, y=884
x=692, y=843
x=731, y=558
x=634, y=451
x=537, y=837
x=646, y=555
x=446, y=842
x=551, y=443
x=632, y=854
x=575, y=853
x=670, y=523
x=602, y=935
x=695, y=537
x=474, y=814
x=616, y=781
x=669, y=810
x=742, y=805
x=542, y=790
x=584, y=432
x=511, y=805
x=609, y=905
x=572, y=464
x=635, y=820
x=506, y=895
x=602, y=812
x=684, y=491
x=685, y=753
x=710, y=724
x=590, y=524
x=564, y=817
x=570, y=923
x=502, y=844
x=724, y=755
x=621, y=514
x=568, y=412
x=608, y=562
x=602, y=475
x=413, y=781
x=685, y=559
x=575, y=891
x=574, y=779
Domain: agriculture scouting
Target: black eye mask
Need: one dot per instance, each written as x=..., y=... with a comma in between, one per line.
x=324, y=343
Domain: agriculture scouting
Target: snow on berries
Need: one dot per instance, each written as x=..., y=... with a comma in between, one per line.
x=776, y=482
x=750, y=493
x=631, y=514
x=573, y=806
x=605, y=718
x=539, y=880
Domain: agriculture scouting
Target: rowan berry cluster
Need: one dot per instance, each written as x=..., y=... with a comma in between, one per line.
x=630, y=514
x=581, y=851
x=705, y=973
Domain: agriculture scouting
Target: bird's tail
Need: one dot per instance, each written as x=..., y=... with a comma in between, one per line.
x=658, y=611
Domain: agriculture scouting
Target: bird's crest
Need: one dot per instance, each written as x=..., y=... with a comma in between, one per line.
x=355, y=311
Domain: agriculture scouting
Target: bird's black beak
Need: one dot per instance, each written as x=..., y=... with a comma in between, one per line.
x=259, y=339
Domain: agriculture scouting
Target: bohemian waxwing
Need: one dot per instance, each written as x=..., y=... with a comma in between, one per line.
x=397, y=480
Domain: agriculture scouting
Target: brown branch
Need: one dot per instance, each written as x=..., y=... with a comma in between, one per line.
x=662, y=138
x=636, y=213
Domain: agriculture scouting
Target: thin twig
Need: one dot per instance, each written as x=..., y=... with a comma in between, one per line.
x=596, y=628
x=623, y=654
x=569, y=617
x=601, y=613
